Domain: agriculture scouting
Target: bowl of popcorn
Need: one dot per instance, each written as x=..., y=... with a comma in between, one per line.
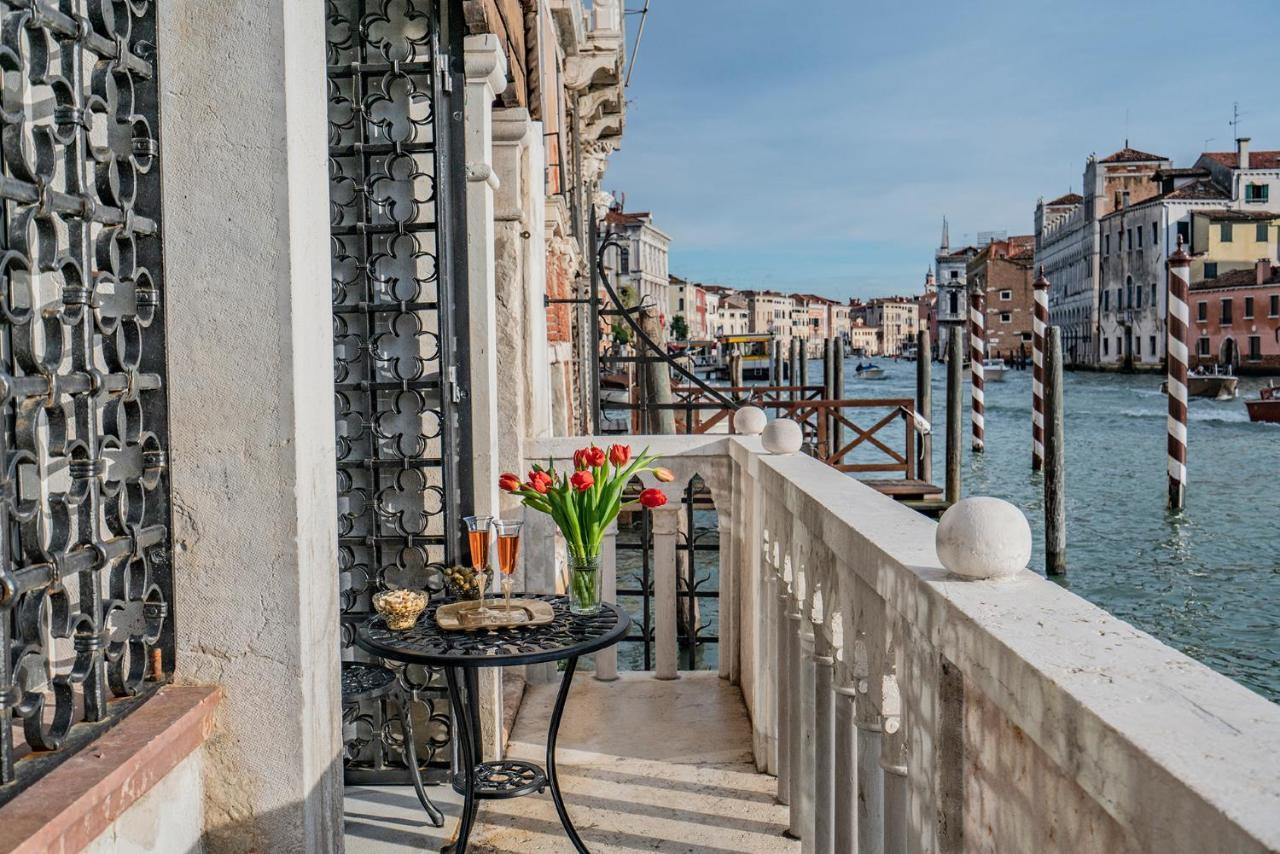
x=400, y=608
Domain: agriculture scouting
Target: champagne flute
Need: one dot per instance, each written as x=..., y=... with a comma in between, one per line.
x=508, y=549
x=478, y=528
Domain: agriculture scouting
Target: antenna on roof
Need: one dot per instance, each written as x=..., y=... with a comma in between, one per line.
x=1236, y=116
x=1207, y=141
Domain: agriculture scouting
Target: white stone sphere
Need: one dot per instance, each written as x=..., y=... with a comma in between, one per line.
x=750, y=421
x=983, y=537
x=782, y=436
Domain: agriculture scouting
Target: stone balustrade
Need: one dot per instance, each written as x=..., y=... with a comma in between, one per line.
x=904, y=708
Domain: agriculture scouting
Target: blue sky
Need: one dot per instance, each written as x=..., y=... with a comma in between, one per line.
x=816, y=146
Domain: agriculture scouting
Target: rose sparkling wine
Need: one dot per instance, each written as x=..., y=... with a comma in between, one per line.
x=508, y=550
x=478, y=528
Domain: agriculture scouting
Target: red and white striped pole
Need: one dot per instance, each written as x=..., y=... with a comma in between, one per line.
x=1039, y=323
x=977, y=351
x=1177, y=361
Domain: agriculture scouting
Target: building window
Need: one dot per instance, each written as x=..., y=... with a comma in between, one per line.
x=1260, y=232
x=1153, y=293
x=624, y=260
x=1006, y=317
x=1026, y=337
x=1106, y=300
x=1211, y=269
x=1139, y=238
x=1119, y=346
x=1202, y=347
x=953, y=302
x=1119, y=298
x=1137, y=346
x=1106, y=244
x=1224, y=232
x=1151, y=341
x=1137, y=293
x=1248, y=308
x=1255, y=348
x=1005, y=296
x=1105, y=343
x=1202, y=311
x=1155, y=234
x=1256, y=192
x=1184, y=231
x=1275, y=305
x=1224, y=315
x=955, y=274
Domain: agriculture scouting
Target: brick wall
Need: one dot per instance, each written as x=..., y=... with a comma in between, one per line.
x=1005, y=339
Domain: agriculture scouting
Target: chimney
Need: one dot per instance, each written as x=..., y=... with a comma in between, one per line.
x=1242, y=152
x=1264, y=270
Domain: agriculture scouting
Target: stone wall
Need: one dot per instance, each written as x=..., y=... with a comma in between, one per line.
x=165, y=819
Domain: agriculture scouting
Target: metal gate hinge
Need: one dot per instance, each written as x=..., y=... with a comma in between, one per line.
x=442, y=68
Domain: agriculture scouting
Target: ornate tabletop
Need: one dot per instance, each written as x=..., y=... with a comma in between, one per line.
x=568, y=636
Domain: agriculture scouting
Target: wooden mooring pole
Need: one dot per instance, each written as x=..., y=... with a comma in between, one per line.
x=1040, y=320
x=978, y=352
x=1055, y=489
x=924, y=404
x=793, y=371
x=955, y=394
x=837, y=393
x=1178, y=357
x=775, y=362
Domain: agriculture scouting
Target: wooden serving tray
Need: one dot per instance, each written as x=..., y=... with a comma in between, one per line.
x=463, y=617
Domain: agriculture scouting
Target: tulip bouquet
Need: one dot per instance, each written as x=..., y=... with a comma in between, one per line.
x=584, y=503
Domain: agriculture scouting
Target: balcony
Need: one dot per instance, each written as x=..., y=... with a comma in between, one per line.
x=867, y=700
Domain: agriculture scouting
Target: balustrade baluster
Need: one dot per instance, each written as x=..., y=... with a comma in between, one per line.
x=824, y=748
x=606, y=660
x=845, y=769
x=666, y=522
x=804, y=797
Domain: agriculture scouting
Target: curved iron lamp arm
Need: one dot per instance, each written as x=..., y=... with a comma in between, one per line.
x=611, y=239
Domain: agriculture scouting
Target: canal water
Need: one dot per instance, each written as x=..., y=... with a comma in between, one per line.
x=1206, y=581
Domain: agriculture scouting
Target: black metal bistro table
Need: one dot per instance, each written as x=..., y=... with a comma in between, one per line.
x=461, y=654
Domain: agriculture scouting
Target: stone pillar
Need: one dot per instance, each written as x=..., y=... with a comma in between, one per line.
x=486, y=72
x=803, y=796
x=846, y=771
x=824, y=787
x=251, y=416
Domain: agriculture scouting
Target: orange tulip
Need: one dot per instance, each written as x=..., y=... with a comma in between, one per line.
x=539, y=482
x=595, y=457
x=580, y=459
x=582, y=480
x=619, y=454
x=508, y=482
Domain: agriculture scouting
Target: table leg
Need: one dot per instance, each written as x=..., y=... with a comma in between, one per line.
x=411, y=759
x=462, y=731
x=552, y=731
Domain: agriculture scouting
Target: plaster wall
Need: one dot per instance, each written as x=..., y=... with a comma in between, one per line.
x=244, y=135
x=165, y=819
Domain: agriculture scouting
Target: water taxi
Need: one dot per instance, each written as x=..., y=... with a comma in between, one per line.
x=1267, y=406
x=755, y=350
x=869, y=371
x=993, y=370
x=1219, y=385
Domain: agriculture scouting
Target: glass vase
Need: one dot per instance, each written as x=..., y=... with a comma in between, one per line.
x=584, y=584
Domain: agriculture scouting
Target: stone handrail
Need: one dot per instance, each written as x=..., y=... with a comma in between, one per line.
x=903, y=708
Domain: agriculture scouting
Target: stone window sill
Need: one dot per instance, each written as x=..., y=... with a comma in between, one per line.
x=74, y=803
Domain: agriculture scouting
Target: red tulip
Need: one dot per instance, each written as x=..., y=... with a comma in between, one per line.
x=580, y=459
x=595, y=456
x=539, y=482
x=582, y=480
x=664, y=475
x=508, y=482
x=652, y=498
x=619, y=454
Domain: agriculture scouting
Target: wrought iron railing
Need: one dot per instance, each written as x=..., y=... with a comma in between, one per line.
x=85, y=518
x=396, y=200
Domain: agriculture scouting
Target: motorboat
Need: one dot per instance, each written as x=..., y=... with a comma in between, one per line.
x=1219, y=385
x=1267, y=406
x=869, y=371
x=993, y=370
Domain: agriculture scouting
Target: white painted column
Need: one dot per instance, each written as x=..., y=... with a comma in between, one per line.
x=485, y=67
x=804, y=794
x=785, y=672
x=606, y=660
x=666, y=522
x=251, y=416
x=730, y=582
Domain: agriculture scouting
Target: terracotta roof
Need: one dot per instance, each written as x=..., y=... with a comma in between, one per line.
x=1202, y=189
x=1247, y=278
x=1068, y=199
x=1225, y=214
x=1022, y=247
x=625, y=217
x=1132, y=155
x=1257, y=159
